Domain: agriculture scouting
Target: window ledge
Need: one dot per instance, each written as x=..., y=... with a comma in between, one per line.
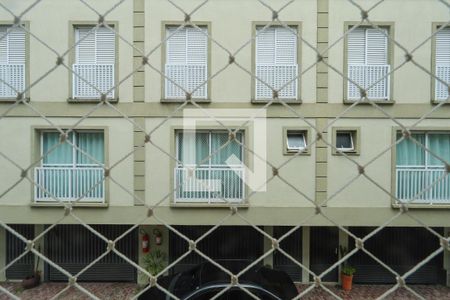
x=349, y=153
x=209, y=205
x=398, y=205
x=278, y=101
x=184, y=100
x=53, y=204
x=292, y=153
x=12, y=100
x=436, y=102
x=382, y=102
x=93, y=100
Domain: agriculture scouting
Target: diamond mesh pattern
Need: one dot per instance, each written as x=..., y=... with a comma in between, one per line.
x=283, y=86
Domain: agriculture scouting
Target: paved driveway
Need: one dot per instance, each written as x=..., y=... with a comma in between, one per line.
x=122, y=291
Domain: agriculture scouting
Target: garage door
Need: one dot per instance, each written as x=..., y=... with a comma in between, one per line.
x=73, y=247
x=224, y=243
x=324, y=243
x=401, y=249
x=292, y=245
x=14, y=248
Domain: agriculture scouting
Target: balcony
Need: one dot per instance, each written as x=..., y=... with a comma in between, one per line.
x=69, y=184
x=89, y=76
x=209, y=184
x=443, y=73
x=189, y=77
x=374, y=76
x=412, y=181
x=14, y=76
x=276, y=76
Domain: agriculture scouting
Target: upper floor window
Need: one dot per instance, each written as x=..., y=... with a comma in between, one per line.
x=186, y=68
x=210, y=167
x=442, y=64
x=72, y=169
x=95, y=55
x=276, y=62
x=368, y=63
x=12, y=61
x=421, y=175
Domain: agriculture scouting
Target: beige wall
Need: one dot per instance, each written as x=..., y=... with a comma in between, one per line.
x=412, y=26
x=54, y=31
x=231, y=26
x=19, y=147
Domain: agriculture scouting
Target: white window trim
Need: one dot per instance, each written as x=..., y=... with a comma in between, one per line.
x=295, y=149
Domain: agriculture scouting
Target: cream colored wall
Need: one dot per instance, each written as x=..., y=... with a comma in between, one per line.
x=16, y=144
x=231, y=26
x=299, y=171
x=49, y=21
x=376, y=136
x=413, y=25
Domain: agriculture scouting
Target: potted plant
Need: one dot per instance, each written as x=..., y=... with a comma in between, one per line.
x=155, y=261
x=347, y=271
x=35, y=278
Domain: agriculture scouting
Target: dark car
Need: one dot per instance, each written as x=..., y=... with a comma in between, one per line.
x=206, y=280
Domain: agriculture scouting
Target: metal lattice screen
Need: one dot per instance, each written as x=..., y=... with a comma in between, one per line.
x=368, y=83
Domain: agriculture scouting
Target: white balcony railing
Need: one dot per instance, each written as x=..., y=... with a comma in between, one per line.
x=374, y=76
x=214, y=184
x=412, y=181
x=443, y=73
x=189, y=77
x=100, y=76
x=276, y=76
x=69, y=184
x=14, y=76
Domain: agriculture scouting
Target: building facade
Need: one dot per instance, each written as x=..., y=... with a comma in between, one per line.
x=118, y=83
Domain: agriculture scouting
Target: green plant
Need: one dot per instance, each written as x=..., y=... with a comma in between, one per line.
x=346, y=268
x=155, y=261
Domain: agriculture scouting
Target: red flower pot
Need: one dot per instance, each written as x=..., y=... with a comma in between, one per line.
x=346, y=282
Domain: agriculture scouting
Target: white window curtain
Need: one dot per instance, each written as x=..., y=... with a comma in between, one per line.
x=207, y=148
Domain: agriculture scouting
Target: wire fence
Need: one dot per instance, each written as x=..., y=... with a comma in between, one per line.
x=360, y=88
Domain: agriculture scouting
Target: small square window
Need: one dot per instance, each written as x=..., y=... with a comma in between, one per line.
x=344, y=141
x=296, y=141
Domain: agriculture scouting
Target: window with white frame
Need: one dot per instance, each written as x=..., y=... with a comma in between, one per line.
x=210, y=166
x=345, y=141
x=276, y=62
x=71, y=169
x=367, y=63
x=186, y=68
x=95, y=55
x=442, y=64
x=12, y=61
x=295, y=141
x=420, y=174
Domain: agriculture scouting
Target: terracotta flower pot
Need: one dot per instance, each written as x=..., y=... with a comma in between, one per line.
x=346, y=282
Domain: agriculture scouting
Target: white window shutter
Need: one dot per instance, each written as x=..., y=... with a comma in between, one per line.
x=85, y=49
x=176, y=46
x=376, y=45
x=356, y=46
x=196, y=41
x=265, y=46
x=106, y=44
x=285, y=46
x=443, y=47
x=16, y=44
x=3, y=45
